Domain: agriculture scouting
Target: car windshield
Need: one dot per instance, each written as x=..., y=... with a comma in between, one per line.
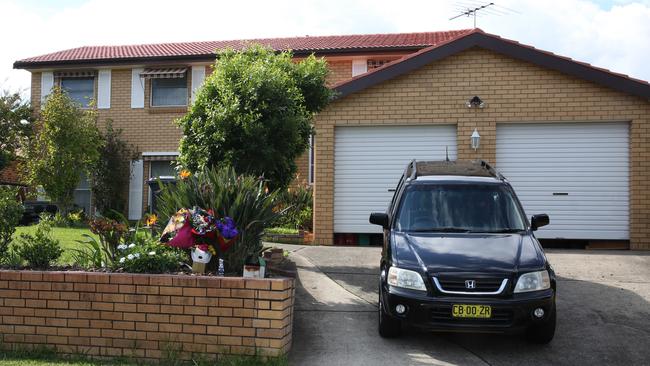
x=485, y=208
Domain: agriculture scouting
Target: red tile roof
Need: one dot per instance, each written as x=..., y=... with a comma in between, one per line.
x=320, y=44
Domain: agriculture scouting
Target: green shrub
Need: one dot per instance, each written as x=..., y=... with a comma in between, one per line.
x=91, y=254
x=10, y=213
x=254, y=113
x=58, y=219
x=110, y=175
x=72, y=219
x=40, y=249
x=148, y=255
x=243, y=198
x=298, y=204
x=66, y=144
x=76, y=219
x=14, y=132
x=111, y=233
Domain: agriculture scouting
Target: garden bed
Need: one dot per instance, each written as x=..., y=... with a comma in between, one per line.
x=145, y=316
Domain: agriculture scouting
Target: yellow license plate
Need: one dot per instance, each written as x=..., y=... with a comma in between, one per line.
x=471, y=311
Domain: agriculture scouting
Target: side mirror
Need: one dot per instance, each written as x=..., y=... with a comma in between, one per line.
x=538, y=221
x=379, y=218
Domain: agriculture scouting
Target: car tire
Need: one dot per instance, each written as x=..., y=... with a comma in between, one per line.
x=389, y=327
x=543, y=333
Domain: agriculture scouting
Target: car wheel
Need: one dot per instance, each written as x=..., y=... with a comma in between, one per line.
x=542, y=333
x=389, y=327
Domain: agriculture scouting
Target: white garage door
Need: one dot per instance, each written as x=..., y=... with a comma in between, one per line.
x=577, y=173
x=370, y=160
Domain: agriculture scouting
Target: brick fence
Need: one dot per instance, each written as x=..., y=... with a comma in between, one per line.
x=145, y=316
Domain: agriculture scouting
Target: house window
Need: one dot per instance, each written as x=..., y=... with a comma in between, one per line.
x=83, y=195
x=373, y=64
x=162, y=169
x=170, y=92
x=81, y=90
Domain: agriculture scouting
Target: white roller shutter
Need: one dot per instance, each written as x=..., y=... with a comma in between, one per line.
x=135, y=190
x=47, y=82
x=198, y=76
x=577, y=173
x=104, y=89
x=137, y=88
x=368, y=161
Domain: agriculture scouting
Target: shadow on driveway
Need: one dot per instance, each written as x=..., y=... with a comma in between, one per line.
x=598, y=324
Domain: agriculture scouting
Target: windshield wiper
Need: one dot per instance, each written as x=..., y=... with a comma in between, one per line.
x=442, y=230
x=505, y=231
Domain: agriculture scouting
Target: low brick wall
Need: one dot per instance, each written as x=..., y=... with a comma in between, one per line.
x=145, y=316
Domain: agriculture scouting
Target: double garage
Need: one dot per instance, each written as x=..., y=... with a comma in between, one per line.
x=573, y=140
x=578, y=173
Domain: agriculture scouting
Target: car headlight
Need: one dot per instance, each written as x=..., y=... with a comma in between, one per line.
x=533, y=281
x=404, y=278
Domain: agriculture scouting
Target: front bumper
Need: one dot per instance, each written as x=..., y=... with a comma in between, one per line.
x=509, y=314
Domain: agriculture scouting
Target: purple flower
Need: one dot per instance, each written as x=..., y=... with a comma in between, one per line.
x=227, y=228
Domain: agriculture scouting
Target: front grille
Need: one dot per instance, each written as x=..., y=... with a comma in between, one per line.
x=481, y=284
x=500, y=317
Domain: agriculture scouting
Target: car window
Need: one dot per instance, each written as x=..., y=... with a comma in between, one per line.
x=459, y=207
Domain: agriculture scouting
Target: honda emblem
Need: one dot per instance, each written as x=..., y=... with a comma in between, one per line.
x=470, y=284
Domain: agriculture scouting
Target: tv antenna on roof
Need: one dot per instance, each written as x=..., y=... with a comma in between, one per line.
x=472, y=8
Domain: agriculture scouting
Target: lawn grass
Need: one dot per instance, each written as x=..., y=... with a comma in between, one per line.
x=67, y=237
x=281, y=231
x=47, y=357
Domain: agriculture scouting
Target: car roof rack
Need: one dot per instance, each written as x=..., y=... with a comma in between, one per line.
x=479, y=168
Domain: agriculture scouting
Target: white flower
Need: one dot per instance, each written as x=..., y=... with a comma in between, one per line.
x=152, y=253
x=131, y=245
x=122, y=260
x=122, y=246
x=137, y=255
x=130, y=256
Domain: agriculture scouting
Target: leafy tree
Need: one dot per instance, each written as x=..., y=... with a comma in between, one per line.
x=15, y=125
x=66, y=144
x=10, y=212
x=254, y=113
x=110, y=175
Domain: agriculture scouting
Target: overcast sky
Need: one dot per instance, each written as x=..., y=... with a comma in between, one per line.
x=613, y=34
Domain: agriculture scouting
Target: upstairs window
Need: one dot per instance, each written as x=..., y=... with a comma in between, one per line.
x=168, y=86
x=373, y=64
x=169, y=92
x=80, y=89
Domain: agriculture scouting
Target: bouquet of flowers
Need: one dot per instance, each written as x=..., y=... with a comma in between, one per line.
x=201, y=231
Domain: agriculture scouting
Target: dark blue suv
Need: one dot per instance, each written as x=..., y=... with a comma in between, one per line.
x=459, y=254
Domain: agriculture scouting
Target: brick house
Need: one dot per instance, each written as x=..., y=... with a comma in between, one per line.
x=572, y=138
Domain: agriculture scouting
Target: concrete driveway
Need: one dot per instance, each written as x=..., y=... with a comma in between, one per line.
x=603, y=315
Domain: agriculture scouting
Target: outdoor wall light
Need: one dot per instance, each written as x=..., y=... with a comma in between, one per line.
x=475, y=102
x=475, y=139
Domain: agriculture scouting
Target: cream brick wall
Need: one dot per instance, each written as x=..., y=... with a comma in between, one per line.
x=152, y=129
x=515, y=91
x=339, y=71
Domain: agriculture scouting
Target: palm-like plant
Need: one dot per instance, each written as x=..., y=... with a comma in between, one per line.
x=243, y=198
